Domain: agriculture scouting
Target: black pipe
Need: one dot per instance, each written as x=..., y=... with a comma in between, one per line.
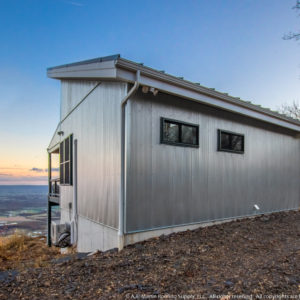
x=49, y=217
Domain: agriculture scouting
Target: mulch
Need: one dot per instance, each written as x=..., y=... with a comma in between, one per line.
x=256, y=258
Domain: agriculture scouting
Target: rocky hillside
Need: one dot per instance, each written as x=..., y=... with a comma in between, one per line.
x=257, y=256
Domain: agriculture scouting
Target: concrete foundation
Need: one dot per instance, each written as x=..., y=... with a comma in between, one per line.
x=131, y=238
x=93, y=236
x=136, y=237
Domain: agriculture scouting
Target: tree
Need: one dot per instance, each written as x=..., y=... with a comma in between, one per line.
x=291, y=110
x=293, y=35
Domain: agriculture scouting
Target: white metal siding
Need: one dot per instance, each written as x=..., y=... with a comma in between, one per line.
x=172, y=185
x=96, y=126
x=72, y=92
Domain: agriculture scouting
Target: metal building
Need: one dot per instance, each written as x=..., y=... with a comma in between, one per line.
x=143, y=153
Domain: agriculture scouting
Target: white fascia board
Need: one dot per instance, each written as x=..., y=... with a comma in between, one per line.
x=98, y=70
x=197, y=96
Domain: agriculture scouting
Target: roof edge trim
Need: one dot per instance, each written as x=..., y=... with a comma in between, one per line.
x=132, y=66
x=114, y=67
x=88, y=61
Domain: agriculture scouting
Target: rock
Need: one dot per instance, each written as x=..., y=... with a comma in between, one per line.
x=162, y=237
x=210, y=282
x=127, y=287
x=291, y=280
x=228, y=283
x=81, y=255
x=111, y=251
x=265, y=218
x=47, y=283
x=138, y=246
x=8, y=276
x=140, y=287
x=70, y=289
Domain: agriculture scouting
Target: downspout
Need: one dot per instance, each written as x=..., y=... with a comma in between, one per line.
x=123, y=171
x=74, y=221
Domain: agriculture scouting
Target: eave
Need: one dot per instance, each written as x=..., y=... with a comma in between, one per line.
x=119, y=69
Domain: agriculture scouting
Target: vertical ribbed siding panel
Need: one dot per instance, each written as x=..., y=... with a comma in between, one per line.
x=96, y=126
x=172, y=185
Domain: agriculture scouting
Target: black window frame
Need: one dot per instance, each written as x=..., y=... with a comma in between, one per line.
x=179, y=123
x=63, y=162
x=220, y=131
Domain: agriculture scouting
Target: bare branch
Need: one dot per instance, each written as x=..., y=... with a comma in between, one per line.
x=292, y=35
x=291, y=110
x=297, y=6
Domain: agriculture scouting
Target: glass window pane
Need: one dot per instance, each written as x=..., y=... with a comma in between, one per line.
x=171, y=132
x=61, y=173
x=67, y=149
x=237, y=143
x=61, y=152
x=67, y=172
x=225, y=141
x=232, y=142
x=189, y=135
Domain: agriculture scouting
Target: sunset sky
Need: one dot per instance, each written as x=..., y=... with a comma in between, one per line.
x=234, y=46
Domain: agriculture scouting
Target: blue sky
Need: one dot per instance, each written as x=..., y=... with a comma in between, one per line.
x=235, y=46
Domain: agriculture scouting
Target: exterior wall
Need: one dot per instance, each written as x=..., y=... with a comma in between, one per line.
x=72, y=92
x=95, y=123
x=172, y=185
x=65, y=215
x=92, y=235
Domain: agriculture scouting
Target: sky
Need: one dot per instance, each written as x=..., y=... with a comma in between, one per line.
x=234, y=46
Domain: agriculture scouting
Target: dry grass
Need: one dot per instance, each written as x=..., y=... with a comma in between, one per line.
x=19, y=250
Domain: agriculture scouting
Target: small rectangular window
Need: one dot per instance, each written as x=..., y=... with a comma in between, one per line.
x=66, y=161
x=230, y=141
x=179, y=133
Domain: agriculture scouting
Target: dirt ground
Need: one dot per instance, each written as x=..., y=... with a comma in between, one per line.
x=257, y=258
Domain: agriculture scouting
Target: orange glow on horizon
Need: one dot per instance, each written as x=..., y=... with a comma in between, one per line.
x=18, y=175
x=25, y=167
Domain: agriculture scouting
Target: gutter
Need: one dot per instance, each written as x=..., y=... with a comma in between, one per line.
x=185, y=84
x=119, y=69
x=122, y=197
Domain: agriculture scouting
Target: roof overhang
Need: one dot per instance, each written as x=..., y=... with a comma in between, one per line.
x=119, y=69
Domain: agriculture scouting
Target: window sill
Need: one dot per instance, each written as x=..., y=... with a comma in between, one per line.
x=231, y=151
x=179, y=144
